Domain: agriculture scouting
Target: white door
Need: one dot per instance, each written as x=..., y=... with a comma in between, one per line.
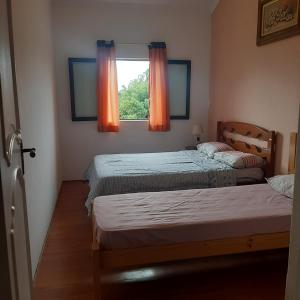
x=15, y=265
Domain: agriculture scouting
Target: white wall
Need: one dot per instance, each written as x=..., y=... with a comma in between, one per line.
x=78, y=24
x=253, y=84
x=35, y=79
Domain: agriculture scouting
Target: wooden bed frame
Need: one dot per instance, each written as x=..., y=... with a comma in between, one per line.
x=250, y=132
x=293, y=153
x=109, y=260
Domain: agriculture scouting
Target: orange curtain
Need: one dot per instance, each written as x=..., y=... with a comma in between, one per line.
x=107, y=87
x=159, y=118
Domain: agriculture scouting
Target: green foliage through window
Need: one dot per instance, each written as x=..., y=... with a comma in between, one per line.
x=134, y=99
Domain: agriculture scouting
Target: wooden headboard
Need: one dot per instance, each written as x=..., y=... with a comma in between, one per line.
x=250, y=138
x=293, y=153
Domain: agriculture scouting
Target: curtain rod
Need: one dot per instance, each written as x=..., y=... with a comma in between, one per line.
x=128, y=44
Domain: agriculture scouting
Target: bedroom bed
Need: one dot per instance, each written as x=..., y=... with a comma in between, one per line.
x=142, y=229
x=182, y=170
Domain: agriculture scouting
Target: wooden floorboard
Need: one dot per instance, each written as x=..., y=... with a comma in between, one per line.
x=65, y=270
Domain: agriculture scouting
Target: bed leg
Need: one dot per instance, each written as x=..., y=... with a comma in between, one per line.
x=97, y=274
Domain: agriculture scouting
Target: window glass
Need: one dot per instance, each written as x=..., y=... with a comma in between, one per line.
x=133, y=89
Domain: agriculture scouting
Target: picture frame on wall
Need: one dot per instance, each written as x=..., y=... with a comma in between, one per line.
x=277, y=20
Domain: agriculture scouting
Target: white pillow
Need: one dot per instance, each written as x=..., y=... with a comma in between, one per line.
x=240, y=160
x=283, y=184
x=211, y=148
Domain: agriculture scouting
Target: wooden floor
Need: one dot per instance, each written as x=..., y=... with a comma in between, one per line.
x=65, y=270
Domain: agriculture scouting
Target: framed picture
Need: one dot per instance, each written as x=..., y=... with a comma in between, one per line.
x=277, y=20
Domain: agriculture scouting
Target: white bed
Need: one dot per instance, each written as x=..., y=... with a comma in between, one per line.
x=176, y=217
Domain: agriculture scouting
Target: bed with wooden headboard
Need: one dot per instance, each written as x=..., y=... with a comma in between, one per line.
x=292, y=153
x=110, y=259
x=250, y=138
x=153, y=172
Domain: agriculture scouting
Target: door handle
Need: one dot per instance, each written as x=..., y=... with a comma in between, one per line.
x=31, y=151
x=15, y=136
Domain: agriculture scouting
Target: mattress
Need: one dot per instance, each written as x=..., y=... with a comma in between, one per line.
x=163, y=218
x=167, y=171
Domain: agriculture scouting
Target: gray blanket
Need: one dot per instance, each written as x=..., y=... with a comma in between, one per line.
x=153, y=172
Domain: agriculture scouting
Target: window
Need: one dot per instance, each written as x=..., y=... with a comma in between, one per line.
x=133, y=89
x=133, y=78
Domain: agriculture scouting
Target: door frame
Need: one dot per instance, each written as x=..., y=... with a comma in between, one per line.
x=293, y=275
x=5, y=283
